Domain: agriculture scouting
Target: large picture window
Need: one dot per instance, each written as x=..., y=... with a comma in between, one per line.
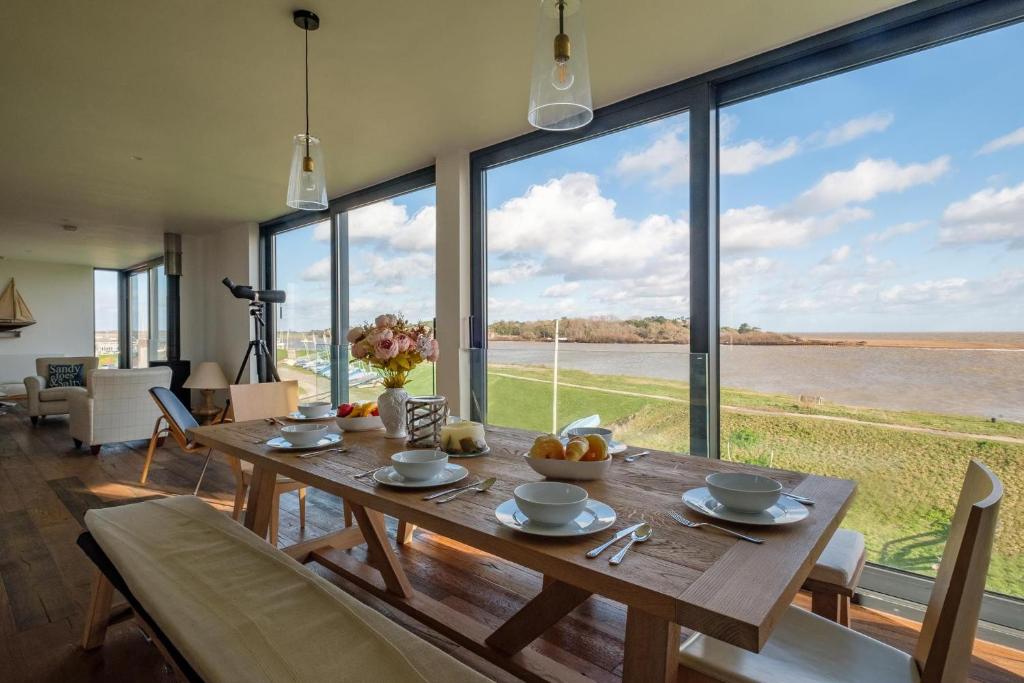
x=588, y=286
x=872, y=289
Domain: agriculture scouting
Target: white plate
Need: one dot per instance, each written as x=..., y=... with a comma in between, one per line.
x=595, y=517
x=299, y=417
x=389, y=477
x=283, y=444
x=786, y=511
x=616, y=447
x=485, y=451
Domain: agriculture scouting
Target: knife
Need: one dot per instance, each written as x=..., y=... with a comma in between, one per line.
x=617, y=537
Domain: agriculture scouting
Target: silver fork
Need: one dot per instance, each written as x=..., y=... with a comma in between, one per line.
x=696, y=525
x=367, y=472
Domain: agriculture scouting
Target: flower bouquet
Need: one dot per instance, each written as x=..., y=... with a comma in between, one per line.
x=392, y=347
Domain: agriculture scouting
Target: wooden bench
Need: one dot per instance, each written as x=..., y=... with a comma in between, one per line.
x=223, y=605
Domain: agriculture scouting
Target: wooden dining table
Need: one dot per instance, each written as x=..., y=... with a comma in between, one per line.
x=697, y=579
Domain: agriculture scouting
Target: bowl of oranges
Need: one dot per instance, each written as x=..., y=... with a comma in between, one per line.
x=575, y=458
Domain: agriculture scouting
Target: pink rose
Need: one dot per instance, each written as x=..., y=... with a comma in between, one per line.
x=435, y=351
x=361, y=350
x=355, y=335
x=385, y=350
x=386, y=320
x=376, y=336
x=404, y=342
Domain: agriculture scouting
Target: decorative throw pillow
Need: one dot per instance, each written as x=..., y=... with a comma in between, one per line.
x=66, y=375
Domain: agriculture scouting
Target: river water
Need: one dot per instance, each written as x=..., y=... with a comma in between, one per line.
x=985, y=383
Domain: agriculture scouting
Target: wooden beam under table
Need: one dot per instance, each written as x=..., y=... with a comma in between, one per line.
x=537, y=616
x=261, y=500
x=381, y=555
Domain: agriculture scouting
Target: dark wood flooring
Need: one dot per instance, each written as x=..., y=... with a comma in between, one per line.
x=46, y=486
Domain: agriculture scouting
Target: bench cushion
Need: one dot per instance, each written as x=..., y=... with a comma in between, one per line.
x=841, y=560
x=239, y=609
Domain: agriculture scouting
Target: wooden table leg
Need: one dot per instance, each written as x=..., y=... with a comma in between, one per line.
x=261, y=500
x=652, y=648
x=381, y=554
x=404, y=534
x=98, y=616
x=537, y=616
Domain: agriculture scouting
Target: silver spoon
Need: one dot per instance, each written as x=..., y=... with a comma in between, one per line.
x=638, y=536
x=479, y=488
x=636, y=456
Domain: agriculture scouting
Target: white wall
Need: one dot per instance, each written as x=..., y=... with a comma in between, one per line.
x=61, y=299
x=215, y=326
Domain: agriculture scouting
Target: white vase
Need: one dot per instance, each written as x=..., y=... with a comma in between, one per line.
x=391, y=405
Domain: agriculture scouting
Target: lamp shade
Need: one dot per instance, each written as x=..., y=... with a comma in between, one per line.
x=207, y=376
x=307, y=188
x=560, y=82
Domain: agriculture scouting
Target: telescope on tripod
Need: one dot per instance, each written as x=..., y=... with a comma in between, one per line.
x=266, y=367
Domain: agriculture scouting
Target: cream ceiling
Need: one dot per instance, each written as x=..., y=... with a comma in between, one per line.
x=134, y=117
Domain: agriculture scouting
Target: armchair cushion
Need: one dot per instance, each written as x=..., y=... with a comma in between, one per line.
x=66, y=375
x=60, y=393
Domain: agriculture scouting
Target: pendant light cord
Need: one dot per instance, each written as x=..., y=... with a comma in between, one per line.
x=306, y=27
x=561, y=16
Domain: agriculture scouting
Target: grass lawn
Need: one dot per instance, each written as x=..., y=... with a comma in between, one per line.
x=907, y=481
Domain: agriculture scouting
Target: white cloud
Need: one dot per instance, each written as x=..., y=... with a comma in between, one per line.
x=318, y=271
x=989, y=215
x=1009, y=140
x=945, y=291
x=837, y=256
x=867, y=180
x=749, y=156
x=517, y=272
x=857, y=128
x=759, y=227
x=578, y=234
x=388, y=223
x=667, y=159
x=562, y=289
x=895, y=231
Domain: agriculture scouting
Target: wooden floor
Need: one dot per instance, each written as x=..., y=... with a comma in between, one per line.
x=46, y=486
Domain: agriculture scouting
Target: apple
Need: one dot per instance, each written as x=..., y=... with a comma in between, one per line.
x=345, y=409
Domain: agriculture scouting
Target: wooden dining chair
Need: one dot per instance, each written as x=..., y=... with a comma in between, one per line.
x=175, y=420
x=806, y=647
x=835, y=576
x=258, y=402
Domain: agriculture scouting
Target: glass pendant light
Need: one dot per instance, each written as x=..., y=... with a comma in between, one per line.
x=307, y=189
x=560, y=85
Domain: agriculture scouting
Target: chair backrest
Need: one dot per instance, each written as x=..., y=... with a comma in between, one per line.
x=259, y=401
x=179, y=419
x=943, y=650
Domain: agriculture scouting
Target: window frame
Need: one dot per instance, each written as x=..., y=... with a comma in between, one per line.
x=337, y=212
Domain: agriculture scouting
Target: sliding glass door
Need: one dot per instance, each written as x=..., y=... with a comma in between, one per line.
x=302, y=325
x=873, y=290
x=588, y=286
x=373, y=252
x=107, y=317
x=145, y=324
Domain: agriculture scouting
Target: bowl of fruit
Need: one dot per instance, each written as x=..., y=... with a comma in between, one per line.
x=581, y=457
x=359, y=417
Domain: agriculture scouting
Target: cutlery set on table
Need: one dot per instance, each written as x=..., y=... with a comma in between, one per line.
x=560, y=509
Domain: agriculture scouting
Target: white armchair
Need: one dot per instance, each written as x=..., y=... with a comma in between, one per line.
x=45, y=400
x=116, y=406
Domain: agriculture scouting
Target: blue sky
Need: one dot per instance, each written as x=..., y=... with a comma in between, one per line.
x=890, y=198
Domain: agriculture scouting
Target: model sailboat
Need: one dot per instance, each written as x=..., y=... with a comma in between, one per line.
x=14, y=312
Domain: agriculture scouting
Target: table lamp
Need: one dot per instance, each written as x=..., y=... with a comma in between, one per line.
x=207, y=378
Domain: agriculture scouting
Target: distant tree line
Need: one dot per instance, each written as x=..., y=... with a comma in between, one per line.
x=656, y=329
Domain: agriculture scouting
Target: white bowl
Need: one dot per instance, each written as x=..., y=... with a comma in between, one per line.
x=315, y=409
x=360, y=424
x=750, y=493
x=304, y=435
x=419, y=465
x=550, y=502
x=570, y=469
x=602, y=432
